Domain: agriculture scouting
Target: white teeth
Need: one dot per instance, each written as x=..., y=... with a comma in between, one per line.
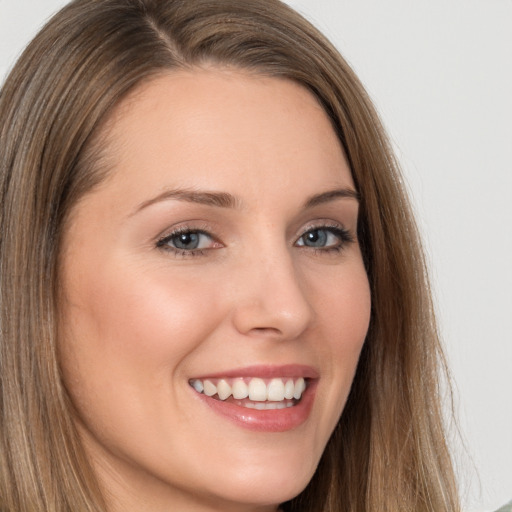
x=289, y=389
x=240, y=389
x=223, y=389
x=300, y=386
x=257, y=390
x=209, y=388
x=265, y=406
x=273, y=393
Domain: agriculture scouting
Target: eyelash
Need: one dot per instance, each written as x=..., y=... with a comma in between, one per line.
x=163, y=243
x=344, y=236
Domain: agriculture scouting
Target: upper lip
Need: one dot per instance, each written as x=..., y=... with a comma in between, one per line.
x=266, y=372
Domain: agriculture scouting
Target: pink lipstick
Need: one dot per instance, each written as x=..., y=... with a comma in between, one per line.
x=261, y=398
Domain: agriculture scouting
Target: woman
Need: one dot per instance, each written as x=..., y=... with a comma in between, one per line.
x=213, y=294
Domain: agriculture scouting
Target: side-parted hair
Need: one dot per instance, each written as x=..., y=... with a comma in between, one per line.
x=388, y=453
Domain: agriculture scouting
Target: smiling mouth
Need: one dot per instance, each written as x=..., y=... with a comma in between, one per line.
x=255, y=392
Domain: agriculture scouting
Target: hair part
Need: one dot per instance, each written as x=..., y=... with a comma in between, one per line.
x=388, y=452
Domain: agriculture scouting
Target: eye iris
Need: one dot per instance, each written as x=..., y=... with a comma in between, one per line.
x=315, y=238
x=186, y=241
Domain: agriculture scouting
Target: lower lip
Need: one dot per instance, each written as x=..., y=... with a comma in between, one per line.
x=273, y=420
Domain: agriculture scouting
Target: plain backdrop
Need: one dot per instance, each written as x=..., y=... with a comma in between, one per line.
x=440, y=74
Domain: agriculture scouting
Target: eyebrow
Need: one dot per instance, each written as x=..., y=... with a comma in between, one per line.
x=331, y=195
x=226, y=200
x=219, y=199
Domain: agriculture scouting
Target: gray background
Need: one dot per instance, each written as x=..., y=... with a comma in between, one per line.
x=440, y=73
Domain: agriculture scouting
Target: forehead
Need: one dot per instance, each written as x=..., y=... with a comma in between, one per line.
x=224, y=128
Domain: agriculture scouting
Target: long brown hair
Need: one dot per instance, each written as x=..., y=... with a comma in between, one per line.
x=388, y=452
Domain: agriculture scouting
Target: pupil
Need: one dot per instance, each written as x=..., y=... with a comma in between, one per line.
x=187, y=241
x=316, y=238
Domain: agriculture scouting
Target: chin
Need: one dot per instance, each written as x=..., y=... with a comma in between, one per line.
x=268, y=483
x=260, y=493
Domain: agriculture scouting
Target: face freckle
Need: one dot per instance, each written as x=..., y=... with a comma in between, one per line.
x=221, y=251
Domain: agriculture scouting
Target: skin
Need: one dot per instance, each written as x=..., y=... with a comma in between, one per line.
x=140, y=320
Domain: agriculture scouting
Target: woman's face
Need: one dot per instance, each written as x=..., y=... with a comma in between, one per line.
x=213, y=272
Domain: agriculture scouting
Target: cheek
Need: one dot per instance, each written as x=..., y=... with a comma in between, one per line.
x=354, y=309
x=343, y=307
x=127, y=312
x=344, y=316
x=128, y=328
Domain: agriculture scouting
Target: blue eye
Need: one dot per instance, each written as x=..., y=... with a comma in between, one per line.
x=317, y=238
x=186, y=241
x=326, y=238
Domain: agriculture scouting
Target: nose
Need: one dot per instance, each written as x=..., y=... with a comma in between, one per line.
x=271, y=298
